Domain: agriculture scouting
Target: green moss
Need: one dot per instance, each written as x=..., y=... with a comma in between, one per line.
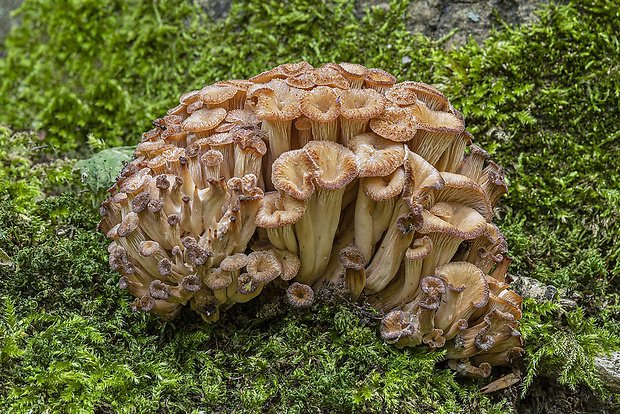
x=543, y=99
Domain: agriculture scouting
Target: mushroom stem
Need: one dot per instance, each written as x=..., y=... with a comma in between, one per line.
x=316, y=230
x=389, y=256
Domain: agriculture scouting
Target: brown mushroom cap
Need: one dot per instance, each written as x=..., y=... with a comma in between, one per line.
x=211, y=158
x=361, y=103
x=379, y=79
x=335, y=165
x=279, y=103
x=354, y=73
x=402, y=94
x=376, y=156
x=235, y=262
x=190, y=97
x=294, y=68
x=277, y=210
x=462, y=190
x=352, y=258
x=432, y=97
x=290, y=263
x=159, y=290
x=395, y=326
x=242, y=117
x=263, y=266
x=217, y=279
x=395, y=123
x=299, y=295
x=293, y=173
x=384, y=188
x=204, y=119
x=329, y=74
x=454, y=219
x=320, y=104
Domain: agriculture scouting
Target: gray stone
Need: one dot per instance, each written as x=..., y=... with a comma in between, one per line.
x=6, y=21
x=216, y=9
x=608, y=369
x=438, y=18
x=528, y=287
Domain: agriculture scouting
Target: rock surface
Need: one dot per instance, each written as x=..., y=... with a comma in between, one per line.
x=476, y=18
x=6, y=7
x=609, y=371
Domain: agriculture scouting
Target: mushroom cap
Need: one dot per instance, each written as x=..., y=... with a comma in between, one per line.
x=420, y=178
x=320, y=104
x=216, y=279
x=159, y=290
x=432, y=97
x=235, y=262
x=140, y=202
x=376, y=156
x=149, y=148
x=293, y=172
x=136, y=182
x=221, y=139
x=194, y=107
x=464, y=275
x=149, y=248
x=129, y=224
x=420, y=249
x=242, y=117
x=278, y=210
x=433, y=287
x=249, y=137
x=290, y=263
x=191, y=283
x=402, y=94
x=395, y=326
x=303, y=80
x=454, y=219
x=352, y=258
x=190, y=97
x=361, y=103
x=246, y=285
x=436, y=121
x=279, y=103
x=299, y=295
x=395, y=123
x=384, y=188
x=353, y=70
x=211, y=158
x=463, y=190
x=204, y=119
x=295, y=68
x=379, y=78
x=335, y=165
x=330, y=74
x=263, y=266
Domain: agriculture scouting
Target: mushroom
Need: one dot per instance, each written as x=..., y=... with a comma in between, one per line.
x=354, y=262
x=322, y=106
x=335, y=167
x=334, y=177
x=435, y=132
x=276, y=108
x=299, y=295
x=358, y=106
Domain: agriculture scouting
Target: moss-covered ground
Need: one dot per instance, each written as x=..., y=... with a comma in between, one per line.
x=88, y=75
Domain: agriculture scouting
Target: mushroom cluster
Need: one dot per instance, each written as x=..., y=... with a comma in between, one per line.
x=331, y=176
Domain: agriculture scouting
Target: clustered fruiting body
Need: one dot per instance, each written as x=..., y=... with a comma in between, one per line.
x=331, y=176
